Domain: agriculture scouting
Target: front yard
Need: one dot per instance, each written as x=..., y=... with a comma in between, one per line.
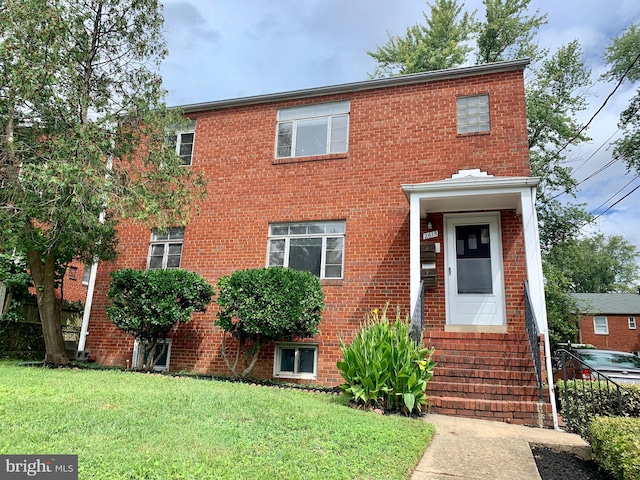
x=126, y=425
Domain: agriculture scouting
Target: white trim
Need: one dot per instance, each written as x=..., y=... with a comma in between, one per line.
x=279, y=346
x=631, y=321
x=595, y=325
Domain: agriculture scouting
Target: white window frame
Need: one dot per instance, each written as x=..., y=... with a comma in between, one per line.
x=159, y=367
x=191, y=130
x=330, y=225
x=473, y=113
x=171, y=239
x=297, y=115
x=279, y=346
x=632, y=323
x=601, y=329
x=86, y=274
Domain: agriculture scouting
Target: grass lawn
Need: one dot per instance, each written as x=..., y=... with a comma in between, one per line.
x=125, y=425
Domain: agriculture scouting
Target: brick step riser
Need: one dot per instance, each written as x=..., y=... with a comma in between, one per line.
x=482, y=375
x=518, y=412
x=454, y=389
x=483, y=362
x=483, y=350
x=529, y=397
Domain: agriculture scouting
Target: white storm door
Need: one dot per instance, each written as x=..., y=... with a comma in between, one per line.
x=474, y=277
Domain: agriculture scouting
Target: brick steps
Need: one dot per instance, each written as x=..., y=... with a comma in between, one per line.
x=483, y=391
x=486, y=375
x=517, y=412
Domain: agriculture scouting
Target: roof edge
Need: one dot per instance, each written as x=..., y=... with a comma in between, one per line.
x=400, y=80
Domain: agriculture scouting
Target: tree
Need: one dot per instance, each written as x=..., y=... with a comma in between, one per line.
x=149, y=303
x=597, y=264
x=623, y=58
x=84, y=125
x=508, y=31
x=258, y=306
x=440, y=44
x=555, y=95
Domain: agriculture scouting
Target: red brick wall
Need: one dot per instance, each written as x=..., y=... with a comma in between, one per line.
x=398, y=135
x=620, y=336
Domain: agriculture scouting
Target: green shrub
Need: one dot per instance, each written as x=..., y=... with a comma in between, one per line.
x=258, y=306
x=383, y=367
x=148, y=303
x=588, y=399
x=616, y=446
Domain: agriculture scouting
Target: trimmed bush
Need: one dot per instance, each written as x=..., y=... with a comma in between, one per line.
x=383, y=367
x=148, y=303
x=616, y=446
x=258, y=306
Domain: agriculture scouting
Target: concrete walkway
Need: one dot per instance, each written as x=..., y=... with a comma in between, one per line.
x=472, y=449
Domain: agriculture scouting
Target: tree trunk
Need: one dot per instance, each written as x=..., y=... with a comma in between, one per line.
x=43, y=275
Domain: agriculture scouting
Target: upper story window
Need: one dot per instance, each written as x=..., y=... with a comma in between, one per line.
x=165, y=249
x=86, y=274
x=632, y=323
x=183, y=142
x=313, y=130
x=473, y=114
x=600, y=325
x=316, y=247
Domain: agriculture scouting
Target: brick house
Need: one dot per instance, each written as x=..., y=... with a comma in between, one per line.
x=374, y=186
x=609, y=320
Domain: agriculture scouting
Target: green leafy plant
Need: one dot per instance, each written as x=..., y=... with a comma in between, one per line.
x=262, y=305
x=148, y=303
x=383, y=367
x=616, y=446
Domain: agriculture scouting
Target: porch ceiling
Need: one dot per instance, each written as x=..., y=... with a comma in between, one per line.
x=470, y=193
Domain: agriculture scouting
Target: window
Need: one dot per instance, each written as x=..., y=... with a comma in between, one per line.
x=163, y=361
x=600, y=326
x=473, y=114
x=183, y=142
x=296, y=360
x=316, y=247
x=313, y=130
x=73, y=273
x=165, y=250
x=632, y=323
x=86, y=274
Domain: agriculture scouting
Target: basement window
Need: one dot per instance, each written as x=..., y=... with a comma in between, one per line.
x=296, y=360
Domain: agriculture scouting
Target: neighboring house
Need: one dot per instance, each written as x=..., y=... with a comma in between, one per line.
x=373, y=186
x=610, y=320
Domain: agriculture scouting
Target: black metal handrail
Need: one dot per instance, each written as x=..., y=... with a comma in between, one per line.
x=534, y=338
x=417, y=316
x=587, y=393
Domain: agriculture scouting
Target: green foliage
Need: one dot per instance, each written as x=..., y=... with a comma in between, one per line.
x=562, y=309
x=439, y=44
x=597, y=264
x=258, y=306
x=21, y=340
x=616, y=446
x=149, y=303
x=590, y=399
x=83, y=121
x=508, y=31
x=623, y=58
x=384, y=367
x=157, y=427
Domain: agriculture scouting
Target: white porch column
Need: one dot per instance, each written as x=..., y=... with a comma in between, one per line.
x=414, y=248
x=534, y=258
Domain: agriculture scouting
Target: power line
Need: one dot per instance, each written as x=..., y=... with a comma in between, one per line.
x=614, y=204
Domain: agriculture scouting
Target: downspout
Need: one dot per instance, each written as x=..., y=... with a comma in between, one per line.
x=87, y=306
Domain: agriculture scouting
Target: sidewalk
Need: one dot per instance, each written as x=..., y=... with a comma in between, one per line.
x=470, y=449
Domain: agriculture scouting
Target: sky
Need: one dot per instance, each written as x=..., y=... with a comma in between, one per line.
x=223, y=50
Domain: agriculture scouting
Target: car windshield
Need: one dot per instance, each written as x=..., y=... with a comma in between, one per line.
x=610, y=359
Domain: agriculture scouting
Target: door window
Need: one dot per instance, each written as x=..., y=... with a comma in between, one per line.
x=473, y=259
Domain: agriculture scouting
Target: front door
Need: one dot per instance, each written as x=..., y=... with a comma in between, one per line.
x=474, y=280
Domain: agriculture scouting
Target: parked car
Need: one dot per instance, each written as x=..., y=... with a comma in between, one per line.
x=620, y=367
